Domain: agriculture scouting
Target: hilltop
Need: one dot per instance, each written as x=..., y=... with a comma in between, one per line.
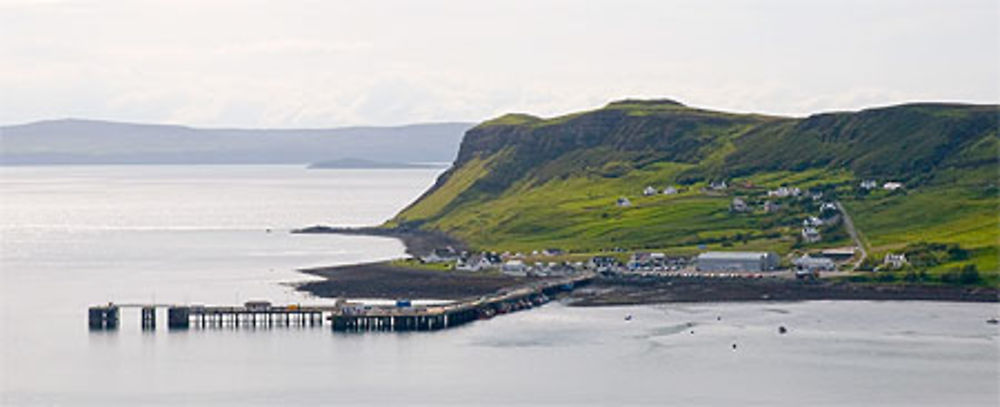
x=522, y=182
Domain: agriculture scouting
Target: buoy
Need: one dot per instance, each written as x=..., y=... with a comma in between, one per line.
x=782, y=330
x=628, y=317
x=734, y=346
x=719, y=318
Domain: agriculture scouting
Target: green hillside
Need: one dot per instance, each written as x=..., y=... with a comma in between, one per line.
x=523, y=183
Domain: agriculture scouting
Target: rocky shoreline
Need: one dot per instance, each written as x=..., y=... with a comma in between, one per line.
x=639, y=290
x=386, y=280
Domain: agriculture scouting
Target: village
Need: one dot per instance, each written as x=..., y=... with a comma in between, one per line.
x=802, y=263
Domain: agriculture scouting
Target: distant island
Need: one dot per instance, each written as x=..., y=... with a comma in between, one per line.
x=362, y=164
x=81, y=142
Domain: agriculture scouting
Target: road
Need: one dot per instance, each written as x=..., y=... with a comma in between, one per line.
x=849, y=224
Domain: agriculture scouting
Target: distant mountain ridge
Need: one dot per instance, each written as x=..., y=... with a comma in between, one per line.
x=360, y=164
x=76, y=141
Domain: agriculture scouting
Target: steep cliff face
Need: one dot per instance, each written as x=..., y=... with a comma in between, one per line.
x=906, y=142
x=608, y=141
x=523, y=182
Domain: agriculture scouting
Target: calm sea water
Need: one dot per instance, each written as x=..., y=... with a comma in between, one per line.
x=75, y=236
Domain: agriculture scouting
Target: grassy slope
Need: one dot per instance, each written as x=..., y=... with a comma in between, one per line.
x=940, y=214
x=562, y=195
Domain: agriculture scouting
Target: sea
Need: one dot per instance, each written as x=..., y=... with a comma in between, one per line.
x=76, y=236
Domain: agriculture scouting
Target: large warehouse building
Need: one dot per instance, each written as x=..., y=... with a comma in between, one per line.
x=737, y=261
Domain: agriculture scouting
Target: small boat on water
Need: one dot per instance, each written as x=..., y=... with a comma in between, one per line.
x=993, y=321
x=628, y=317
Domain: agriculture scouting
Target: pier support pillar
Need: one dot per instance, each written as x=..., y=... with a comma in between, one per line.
x=149, y=318
x=103, y=317
x=179, y=318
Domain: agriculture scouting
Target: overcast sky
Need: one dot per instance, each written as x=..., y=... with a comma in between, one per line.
x=326, y=63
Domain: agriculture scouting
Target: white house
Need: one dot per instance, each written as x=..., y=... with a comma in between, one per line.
x=894, y=261
x=671, y=190
x=440, y=256
x=602, y=263
x=480, y=262
x=783, y=192
x=892, y=186
x=623, y=202
x=869, y=184
x=811, y=235
x=812, y=221
x=649, y=191
x=828, y=206
x=718, y=185
x=640, y=260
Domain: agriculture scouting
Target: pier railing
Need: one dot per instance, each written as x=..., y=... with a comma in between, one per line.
x=343, y=316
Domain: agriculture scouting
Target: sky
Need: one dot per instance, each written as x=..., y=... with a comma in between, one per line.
x=293, y=64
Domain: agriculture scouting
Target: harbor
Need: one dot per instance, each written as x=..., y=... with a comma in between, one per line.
x=343, y=315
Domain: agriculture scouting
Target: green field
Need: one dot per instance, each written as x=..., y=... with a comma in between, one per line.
x=523, y=183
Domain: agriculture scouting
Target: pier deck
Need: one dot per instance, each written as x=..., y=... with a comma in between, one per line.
x=343, y=316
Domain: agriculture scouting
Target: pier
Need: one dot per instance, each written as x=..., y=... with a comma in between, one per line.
x=343, y=316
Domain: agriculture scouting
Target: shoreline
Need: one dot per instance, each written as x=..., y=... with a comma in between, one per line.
x=416, y=241
x=638, y=291
x=384, y=280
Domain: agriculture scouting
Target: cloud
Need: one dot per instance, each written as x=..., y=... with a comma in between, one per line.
x=293, y=46
x=319, y=64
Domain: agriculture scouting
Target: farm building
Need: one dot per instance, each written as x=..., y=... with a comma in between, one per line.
x=814, y=263
x=737, y=261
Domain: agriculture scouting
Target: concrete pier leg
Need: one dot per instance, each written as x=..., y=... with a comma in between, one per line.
x=95, y=317
x=149, y=318
x=179, y=317
x=111, y=318
x=102, y=317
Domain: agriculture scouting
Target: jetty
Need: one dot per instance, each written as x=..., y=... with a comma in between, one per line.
x=343, y=316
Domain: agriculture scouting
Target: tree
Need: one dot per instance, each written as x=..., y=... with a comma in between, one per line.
x=886, y=277
x=969, y=274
